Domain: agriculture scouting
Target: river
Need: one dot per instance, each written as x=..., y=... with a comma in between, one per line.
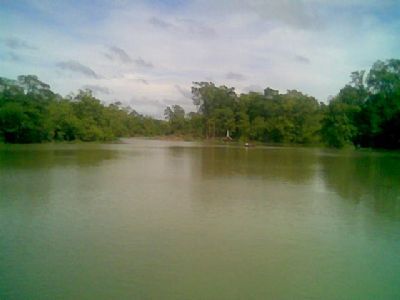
x=149, y=219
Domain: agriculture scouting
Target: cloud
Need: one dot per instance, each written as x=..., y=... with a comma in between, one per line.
x=160, y=23
x=16, y=43
x=97, y=89
x=141, y=63
x=182, y=102
x=197, y=28
x=297, y=14
x=309, y=45
x=302, y=59
x=146, y=102
x=13, y=57
x=185, y=93
x=119, y=54
x=141, y=80
x=77, y=67
x=253, y=88
x=185, y=26
x=235, y=76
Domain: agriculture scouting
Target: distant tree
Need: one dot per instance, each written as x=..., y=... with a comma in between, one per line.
x=12, y=119
x=217, y=105
x=382, y=109
x=176, y=118
x=207, y=97
x=365, y=112
x=338, y=126
x=258, y=129
x=196, y=124
x=224, y=119
x=243, y=125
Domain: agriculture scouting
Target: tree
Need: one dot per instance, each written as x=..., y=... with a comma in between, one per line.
x=382, y=109
x=217, y=105
x=338, y=126
x=12, y=118
x=243, y=125
x=365, y=112
x=258, y=129
x=176, y=118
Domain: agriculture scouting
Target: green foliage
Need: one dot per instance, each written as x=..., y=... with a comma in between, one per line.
x=365, y=112
x=207, y=97
x=338, y=126
x=176, y=119
x=31, y=113
x=258, y=129
x=243, y=125
x=195, y=125
x=12, y=120
x=223, y=119
x=291, y=117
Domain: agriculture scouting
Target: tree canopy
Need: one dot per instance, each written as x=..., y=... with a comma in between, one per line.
x=31, y=113
x=365, y=112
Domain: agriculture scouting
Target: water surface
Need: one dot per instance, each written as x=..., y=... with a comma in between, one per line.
x=178, y=220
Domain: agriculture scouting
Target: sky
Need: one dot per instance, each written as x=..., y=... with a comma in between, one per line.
x=146, y=54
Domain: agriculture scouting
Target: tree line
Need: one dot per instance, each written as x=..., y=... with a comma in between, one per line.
x=31, y=113
x=365, y=113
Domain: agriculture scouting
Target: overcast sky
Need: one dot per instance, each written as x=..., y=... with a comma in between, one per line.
x=148, y=53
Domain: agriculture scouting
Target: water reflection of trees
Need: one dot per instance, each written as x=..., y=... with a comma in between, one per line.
x=371, y=179
x=283, y=164
x=47, y=156
x=33, y=174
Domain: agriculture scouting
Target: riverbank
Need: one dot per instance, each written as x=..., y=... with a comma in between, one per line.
x=216, y=141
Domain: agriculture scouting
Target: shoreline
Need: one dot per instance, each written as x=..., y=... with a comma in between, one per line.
x=215, y=141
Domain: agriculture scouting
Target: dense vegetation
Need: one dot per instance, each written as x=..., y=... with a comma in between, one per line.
x=366, y=113
x=30, y=112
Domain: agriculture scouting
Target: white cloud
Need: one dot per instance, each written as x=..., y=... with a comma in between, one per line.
x=119, y=54
x=235, y=76
x=146, y=55
x=97, y=89
x=77, y=67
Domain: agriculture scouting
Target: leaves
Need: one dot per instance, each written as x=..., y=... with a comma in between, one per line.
x=31, y=113
x=365, y=112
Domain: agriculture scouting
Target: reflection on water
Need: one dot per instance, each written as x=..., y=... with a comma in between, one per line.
x=281, y=164
x=365, y=178
x=30, y=175
x=46, y=156
x=176, y=220
x=369, y=178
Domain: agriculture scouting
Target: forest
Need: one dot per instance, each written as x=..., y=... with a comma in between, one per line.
x=364, y=113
